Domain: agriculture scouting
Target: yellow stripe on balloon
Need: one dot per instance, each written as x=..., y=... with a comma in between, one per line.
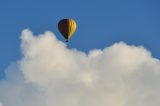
x=72, y=27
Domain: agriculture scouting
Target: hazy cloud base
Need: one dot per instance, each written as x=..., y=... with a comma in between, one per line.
x=50, y=74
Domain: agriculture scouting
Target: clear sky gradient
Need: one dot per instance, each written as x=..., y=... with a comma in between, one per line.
x=100, y=23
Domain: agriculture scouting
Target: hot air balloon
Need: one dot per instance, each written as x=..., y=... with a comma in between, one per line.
x=67, y=27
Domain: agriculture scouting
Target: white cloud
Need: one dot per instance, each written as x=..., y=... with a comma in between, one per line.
x=1, y=104
x=50, y=74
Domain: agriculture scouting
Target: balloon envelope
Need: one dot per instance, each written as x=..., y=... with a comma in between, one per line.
x=67, y=28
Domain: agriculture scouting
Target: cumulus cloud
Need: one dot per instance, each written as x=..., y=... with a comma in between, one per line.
x=50, y=74
x=1, y=104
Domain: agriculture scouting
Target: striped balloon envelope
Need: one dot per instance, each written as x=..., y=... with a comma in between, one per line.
x=67, y=28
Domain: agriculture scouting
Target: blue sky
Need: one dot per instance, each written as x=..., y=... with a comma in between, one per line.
x=100, y=23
